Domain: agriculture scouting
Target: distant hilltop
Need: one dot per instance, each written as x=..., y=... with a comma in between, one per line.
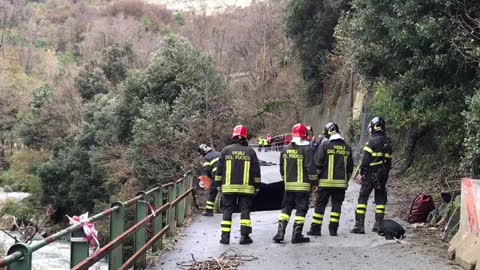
x=209, y=6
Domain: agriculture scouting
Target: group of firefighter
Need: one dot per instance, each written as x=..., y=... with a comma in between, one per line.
x=326, y=172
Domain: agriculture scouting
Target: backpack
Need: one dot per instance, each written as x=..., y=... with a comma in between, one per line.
x=420, y=208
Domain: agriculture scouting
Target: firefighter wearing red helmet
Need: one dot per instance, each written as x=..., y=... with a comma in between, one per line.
x=238, y=174
x=298, y=172
x=334, y=163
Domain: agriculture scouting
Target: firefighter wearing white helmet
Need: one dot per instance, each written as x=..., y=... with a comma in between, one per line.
x=210, y=169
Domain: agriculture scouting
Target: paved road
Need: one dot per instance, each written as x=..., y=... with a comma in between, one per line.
x=346, y=251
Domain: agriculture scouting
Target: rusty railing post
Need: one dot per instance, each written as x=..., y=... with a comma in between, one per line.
x=171, y=211
x=188, y=201
x=141, y=234
x=117, y=227
x=181, y=205
x=78, y=247
x=158, y=220
x=26, y=262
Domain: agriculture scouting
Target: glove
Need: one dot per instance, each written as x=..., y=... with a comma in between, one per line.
x=359, y=179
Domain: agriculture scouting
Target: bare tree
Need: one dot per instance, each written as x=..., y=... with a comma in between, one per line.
x=11, y=13
x=465, y=17
x=27, y=230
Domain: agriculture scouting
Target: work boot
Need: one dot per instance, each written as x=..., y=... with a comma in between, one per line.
x=225, y=239
x=359, y=227
x=297, y=236
x=315, y=230
x=245, y=240
x=208, y=214
x=378, y=223
x=333, y=228
x=376, y=227
x=282, y=226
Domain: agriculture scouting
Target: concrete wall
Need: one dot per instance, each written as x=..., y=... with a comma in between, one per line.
x=346, y=105
x=465, y=245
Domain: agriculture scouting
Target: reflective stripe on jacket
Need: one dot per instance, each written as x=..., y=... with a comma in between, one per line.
x=210, y=165
x=238, y=170
x=297, y=168
x=334, y=163
x=377, y=154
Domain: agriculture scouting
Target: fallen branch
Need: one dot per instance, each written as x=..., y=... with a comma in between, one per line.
x=228, y=260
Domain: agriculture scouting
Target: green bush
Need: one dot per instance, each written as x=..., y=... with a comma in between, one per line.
x=179, y=19
x=311, y=25
x=353, y=129
x=410, y=45
x=72, y=180
x=383, y=104
x=22, y=210
x=22, y=174
x=471, y=144
x=65, y=58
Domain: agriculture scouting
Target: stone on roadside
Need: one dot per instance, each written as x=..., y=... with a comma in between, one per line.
x=418, y=225
x=7, y=189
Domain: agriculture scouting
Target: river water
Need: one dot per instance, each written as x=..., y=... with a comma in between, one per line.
x=55, y=256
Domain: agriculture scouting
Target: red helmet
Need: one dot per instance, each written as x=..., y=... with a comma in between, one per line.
x=299, y=130
x=239, y=130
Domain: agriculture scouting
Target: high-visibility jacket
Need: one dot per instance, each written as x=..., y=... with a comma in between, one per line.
x=297, y=168
x=377, y=154
x=238, y=170
x=210, y=165
x=334, y=163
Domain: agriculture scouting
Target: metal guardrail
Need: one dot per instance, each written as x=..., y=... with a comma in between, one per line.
x=276, y=146
x=168, y=215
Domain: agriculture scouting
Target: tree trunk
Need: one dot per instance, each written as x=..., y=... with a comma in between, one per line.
x=414, y=136
x=2, y=143
x=11, y=143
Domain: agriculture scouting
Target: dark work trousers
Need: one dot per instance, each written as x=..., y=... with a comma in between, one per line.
x=380, y=192
x=245, y=203
x=212, y=195
x=323, y=195
x=295, y=200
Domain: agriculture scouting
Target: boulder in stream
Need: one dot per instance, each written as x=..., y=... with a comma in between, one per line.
x=7, y=222
x=7, y=189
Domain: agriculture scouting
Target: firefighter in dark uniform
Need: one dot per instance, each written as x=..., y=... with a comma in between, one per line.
x=335, y=166
x=374, y=170
x=327, y=132
x=298, y=172
x=210, y=169
x=238, y=173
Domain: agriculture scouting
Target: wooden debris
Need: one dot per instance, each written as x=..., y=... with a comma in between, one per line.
x=228, y=260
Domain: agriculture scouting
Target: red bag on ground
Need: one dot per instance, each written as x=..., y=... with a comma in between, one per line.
x=421, y=207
